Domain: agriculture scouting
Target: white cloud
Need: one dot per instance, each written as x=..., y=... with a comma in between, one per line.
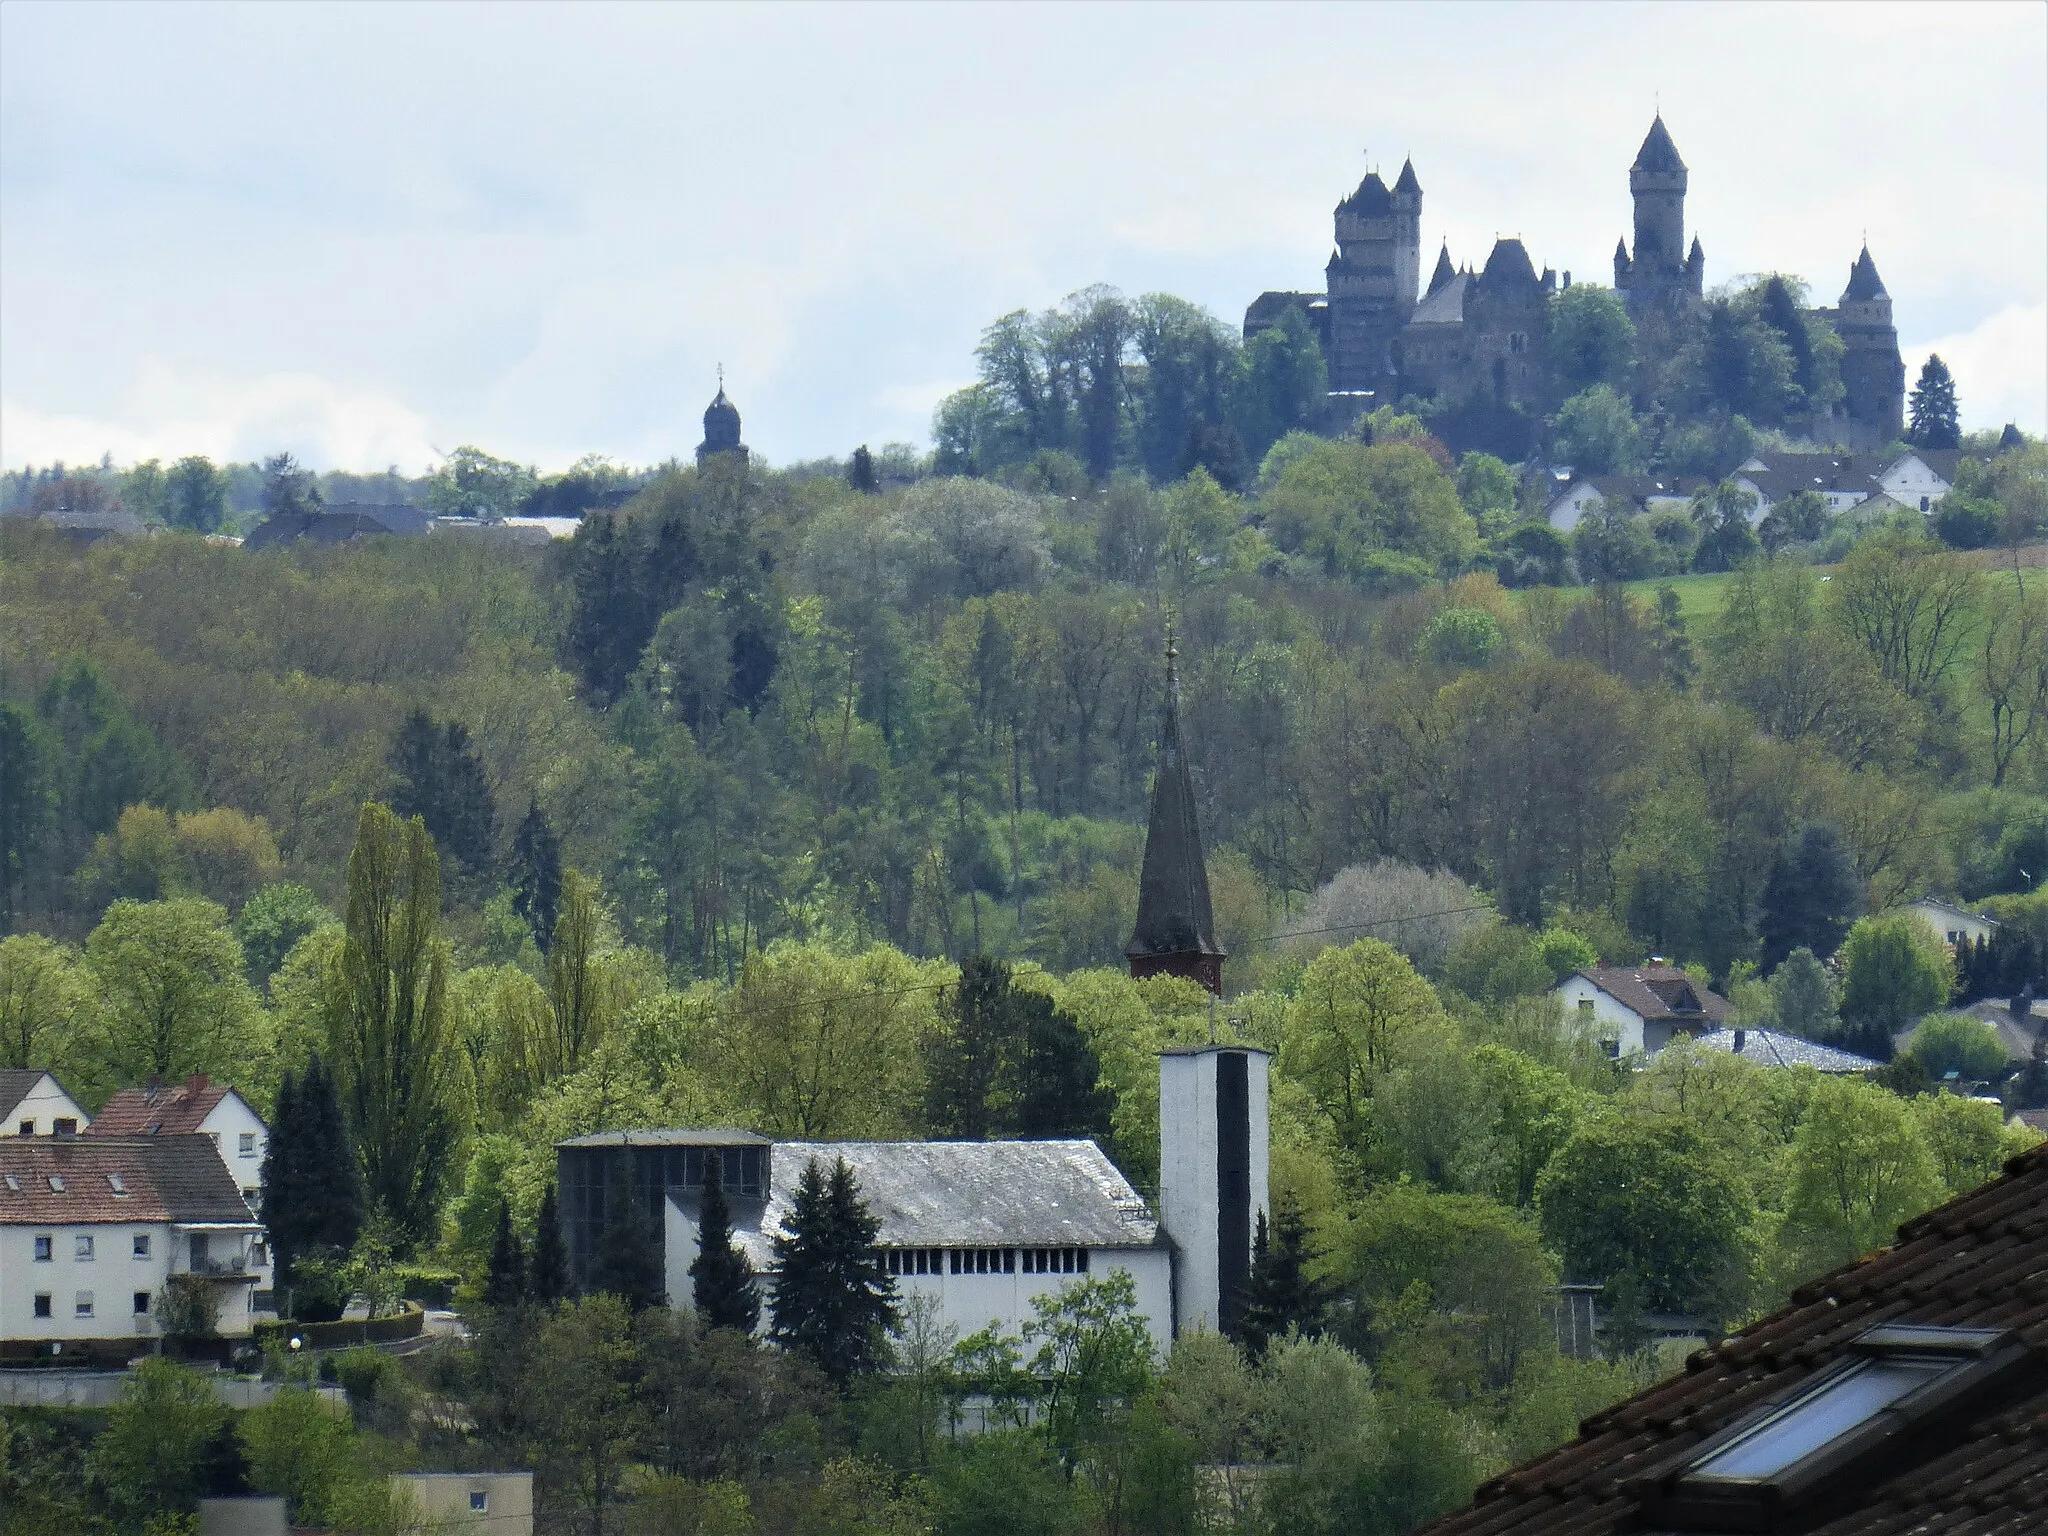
x=2000, y=368
x=169, y=413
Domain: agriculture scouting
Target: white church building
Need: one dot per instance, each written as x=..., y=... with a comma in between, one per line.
x=986, y=1227
x=982, y=1227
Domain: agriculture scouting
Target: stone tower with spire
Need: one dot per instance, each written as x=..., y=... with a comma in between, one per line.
x=1873, y=372
x=1175, y=934
x=1372, y=278
x=721, y=427
x=1660, y=267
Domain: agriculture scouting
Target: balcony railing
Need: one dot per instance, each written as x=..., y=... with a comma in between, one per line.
x=226, y=1268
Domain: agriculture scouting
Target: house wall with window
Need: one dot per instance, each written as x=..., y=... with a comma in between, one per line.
x=1616, y=1025
x=91, y=1228
x=498, y=1502
x=35, y=1104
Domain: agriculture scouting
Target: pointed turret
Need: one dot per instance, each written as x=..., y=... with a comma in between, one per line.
x=1444, y=270
x=1864, y=283
x=1621, y=262
x=1175, y=933
x=1658, y=152
x=1407, y=184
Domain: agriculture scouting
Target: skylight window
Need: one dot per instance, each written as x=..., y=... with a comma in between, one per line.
x=1899, y=1393
x=115, y=1183
x=14, y=1183
x=57, y=1183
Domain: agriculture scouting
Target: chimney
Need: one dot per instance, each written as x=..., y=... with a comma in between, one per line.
x=196, y=1083
x=1740, y=1036
x=1212, y=1176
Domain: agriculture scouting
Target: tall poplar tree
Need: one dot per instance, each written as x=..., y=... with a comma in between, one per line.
x=722, y=1279
x=505, y=1279
x=833, y=1303
x=537, y=874
x=388, y=1027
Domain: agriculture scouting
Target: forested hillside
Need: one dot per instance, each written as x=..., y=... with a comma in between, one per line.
x=696, y=817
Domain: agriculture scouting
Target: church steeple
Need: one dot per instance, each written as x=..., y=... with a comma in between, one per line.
x=721, y=426
x=1175, y=933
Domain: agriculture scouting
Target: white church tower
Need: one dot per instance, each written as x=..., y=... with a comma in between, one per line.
x=1212, y=1175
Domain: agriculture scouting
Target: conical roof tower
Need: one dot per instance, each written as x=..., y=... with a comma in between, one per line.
x=1175, y=933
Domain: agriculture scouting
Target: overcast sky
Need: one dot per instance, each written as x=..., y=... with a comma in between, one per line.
x=370, y=233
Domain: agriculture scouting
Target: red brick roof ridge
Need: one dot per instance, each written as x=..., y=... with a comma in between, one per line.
x=176, y=1110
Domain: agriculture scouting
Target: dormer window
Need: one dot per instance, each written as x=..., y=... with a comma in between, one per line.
x=1899, y=1391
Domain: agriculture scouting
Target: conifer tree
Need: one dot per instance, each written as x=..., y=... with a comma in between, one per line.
x=1281, y=1293
x=1933, y=401
x=861, y=473
x=505, y=1279
x=722, y=1279
x=312, y=1190
x=1810, y=898
x=1011, y=1065
x=833, y=1302
x=1061, y=1093
x=548, y=1279
x=537, y=874
x=442, y=780
x=627, y=1262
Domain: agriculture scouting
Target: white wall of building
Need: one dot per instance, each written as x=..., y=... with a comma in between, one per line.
x=967, y=1303
x=241, y=1137
x=38, y=1113
x=1951, y=924
x=1613, y=1019
x=1911, y=481
x=1189, y=1193
x=111, y=1276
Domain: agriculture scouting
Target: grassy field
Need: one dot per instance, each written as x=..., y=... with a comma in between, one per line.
x=1700, y=597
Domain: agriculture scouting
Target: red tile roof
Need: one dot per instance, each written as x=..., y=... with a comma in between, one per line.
x=1980, y=1261
x=172, y=1111
x=1663, y=993
x=162, y=1178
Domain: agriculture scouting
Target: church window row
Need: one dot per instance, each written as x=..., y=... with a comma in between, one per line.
x=983, y=1261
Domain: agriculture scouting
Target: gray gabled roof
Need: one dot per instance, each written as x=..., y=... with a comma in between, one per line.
x=1446, y=302
x=684, y=1136
x=1773, y=1048
x=16, y=1084
x=975, y=1194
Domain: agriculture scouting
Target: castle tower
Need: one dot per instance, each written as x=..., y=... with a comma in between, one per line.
x=721, y=427
x=1444, y=270
x=1373, y=277
x=1659, y=264
x=1873, y=372
x=1213, y=1130
x=1175, y=933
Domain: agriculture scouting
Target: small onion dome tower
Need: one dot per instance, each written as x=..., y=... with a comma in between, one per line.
x=1175, y=932
x=721, y=426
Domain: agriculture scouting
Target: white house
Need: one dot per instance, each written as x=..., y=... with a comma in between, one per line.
x=1635, y=1010
x=196, y=1106
x=1953, y=923
x=34, y=1103
x=981, y=1227
x=91, y=1227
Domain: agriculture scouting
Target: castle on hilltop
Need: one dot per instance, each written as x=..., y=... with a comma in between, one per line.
x=1476, y=340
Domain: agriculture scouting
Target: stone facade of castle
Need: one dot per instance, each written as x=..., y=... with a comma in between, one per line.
x=1475, y=340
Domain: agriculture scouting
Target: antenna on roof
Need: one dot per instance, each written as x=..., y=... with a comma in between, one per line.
x=721, y=378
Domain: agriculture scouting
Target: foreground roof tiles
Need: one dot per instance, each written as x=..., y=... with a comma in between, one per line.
x=1979, y=1261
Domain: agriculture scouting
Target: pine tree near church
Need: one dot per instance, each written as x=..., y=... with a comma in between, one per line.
x=627, y=1263
x=1282, y=1294
x=548, y=1278
x=1011, y=1065
x=1933, y=404
x=505, y=1279
x=1810, y=898
x=722, y=1280
x=833, y=1303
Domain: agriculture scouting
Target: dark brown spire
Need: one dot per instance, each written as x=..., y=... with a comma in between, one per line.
x=1175, y=932
x=1444, y=270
